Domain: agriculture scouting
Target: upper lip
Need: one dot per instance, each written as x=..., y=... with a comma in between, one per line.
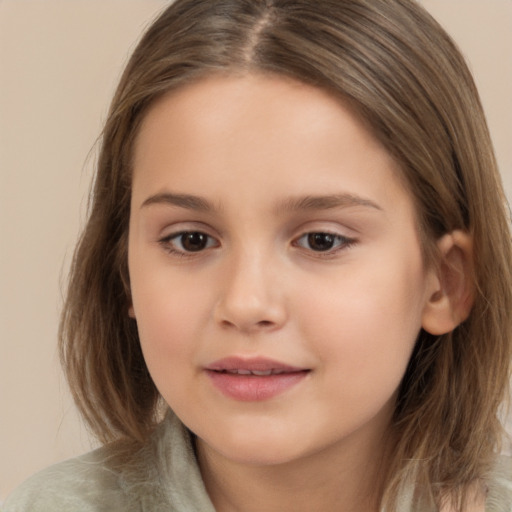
x=253, y=364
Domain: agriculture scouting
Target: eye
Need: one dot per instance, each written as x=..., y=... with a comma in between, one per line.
x=188, y=242
x=323, y=242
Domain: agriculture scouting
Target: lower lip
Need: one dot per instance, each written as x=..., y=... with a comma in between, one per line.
x=254, y=388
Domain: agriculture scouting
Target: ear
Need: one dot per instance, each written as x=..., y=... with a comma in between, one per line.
x=452, y=291
x=131, y=312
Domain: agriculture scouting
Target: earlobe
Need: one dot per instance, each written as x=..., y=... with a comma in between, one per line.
x=131, y=312
x=452, y=292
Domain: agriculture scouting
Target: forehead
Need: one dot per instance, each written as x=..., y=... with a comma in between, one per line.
x=277, y=131
x=210, y=106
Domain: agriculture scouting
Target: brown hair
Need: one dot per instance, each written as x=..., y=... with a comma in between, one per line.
x=405, y=76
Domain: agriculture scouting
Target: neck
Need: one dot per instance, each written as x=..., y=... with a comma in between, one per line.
x=338, y=479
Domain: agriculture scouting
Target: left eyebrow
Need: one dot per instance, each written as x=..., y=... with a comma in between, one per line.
x=326, y=202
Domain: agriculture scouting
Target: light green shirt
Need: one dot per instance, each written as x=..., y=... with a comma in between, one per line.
x=163, y=476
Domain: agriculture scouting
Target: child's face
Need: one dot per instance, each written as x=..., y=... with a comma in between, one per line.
x=269, y=231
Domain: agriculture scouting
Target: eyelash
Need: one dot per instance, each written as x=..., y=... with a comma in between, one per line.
x=341, y=243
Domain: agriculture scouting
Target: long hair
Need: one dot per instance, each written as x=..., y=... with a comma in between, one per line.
x=404, y=75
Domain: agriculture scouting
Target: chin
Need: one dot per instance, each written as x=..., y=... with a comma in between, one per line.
x=270, y=446
x=259, y=454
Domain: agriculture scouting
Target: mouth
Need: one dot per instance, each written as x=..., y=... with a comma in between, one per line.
x=252, y=366
x=258, y=373
x=254, y=379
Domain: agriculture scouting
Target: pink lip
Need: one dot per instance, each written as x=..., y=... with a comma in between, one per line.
x=253, y=388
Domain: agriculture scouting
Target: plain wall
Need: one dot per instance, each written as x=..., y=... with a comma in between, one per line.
x=59, y=62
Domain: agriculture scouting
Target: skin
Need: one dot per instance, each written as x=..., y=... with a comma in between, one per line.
x=250, y=147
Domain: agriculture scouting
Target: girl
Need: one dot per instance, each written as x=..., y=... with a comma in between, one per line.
x=294, y=288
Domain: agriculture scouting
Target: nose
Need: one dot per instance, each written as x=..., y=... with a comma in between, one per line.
x=252, y=297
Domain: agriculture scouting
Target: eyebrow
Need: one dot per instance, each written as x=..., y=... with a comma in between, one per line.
x=186, y=201
x=309, y=202
x=326, y=202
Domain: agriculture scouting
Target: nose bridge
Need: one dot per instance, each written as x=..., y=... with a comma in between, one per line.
x=250, y=298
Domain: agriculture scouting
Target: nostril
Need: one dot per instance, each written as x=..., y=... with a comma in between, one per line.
x=262, y=324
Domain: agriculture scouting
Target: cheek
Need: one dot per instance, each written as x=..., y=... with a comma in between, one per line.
x=169, y=317
x=365, y=325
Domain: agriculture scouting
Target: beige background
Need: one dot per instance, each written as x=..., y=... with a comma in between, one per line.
x=59, y=61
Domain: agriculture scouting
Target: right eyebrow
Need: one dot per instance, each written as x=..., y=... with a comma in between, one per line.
x=190, y=202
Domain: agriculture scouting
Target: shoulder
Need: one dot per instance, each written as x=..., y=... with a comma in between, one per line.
x=499, y=484
x=84, y=484
x=156, y=476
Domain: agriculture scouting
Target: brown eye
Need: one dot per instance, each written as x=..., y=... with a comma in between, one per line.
x=194, y=241
x=323, y=242
x=188, y=242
